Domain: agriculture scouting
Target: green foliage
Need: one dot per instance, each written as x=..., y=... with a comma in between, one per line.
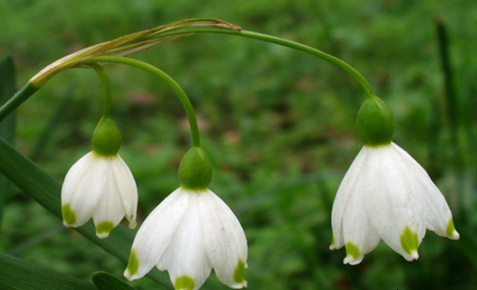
x=278, y=126
x=30, y=276
x=106, y=281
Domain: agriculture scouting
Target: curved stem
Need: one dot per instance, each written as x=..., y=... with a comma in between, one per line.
x=169, y=80
x=30, y=88
x=106, y=89
x=287, y=43
x=313, y=51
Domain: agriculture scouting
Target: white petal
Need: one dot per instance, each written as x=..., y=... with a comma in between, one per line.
x=186, y=256
x=82, y=187
x=345, y=191
x=436, y=212
x=225, y=240
x=358, y=232
x=156, y=233
x=109, y=209
x=393, y=202
x=127, y=189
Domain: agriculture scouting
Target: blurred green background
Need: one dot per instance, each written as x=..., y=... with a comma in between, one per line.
x=278, y=124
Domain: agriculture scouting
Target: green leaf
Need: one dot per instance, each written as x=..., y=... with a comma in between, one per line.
x=7, y=90
x=18, y=274
x=39, y=185
x=106, y=281
x=7, y=126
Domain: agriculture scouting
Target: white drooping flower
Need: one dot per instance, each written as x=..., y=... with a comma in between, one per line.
x=188, y=234
x=387, y=195
x=101, y=187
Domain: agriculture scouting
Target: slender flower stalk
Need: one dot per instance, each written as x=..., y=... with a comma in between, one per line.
x=183, y=98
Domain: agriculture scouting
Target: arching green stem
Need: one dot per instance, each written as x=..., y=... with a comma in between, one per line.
x=106, y=89
x=72, y=61
x=308, y=49
x=169, y=80
x=288, y=43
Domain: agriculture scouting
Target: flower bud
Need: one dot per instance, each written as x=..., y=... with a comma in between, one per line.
x=195, y=170
x=106, y=138
x=375, y=122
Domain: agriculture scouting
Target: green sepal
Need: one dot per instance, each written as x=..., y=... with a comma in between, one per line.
x=375, y=122
x=106, y=138
x=195, y=170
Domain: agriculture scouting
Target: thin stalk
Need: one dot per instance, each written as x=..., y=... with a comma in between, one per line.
x=165, y=77
x=287, y=43
x=313, y=51
x=106, y=89
x=30, y=88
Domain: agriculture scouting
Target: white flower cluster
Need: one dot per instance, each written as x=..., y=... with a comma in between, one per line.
x=385, y=195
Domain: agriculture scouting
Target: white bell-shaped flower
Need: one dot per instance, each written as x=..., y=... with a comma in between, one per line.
x=101, y=187
x=387, y=195
x=188, y=234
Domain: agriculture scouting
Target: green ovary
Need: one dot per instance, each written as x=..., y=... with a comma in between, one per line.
x=239, y=273
x=184, y=283
x=409, y=241
x=352, y=250
x=133, y=264
x=69, y=216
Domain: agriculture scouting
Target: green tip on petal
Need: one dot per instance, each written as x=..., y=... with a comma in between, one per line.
x=104, y=228
x=332, y=240
x=352, y=250
x=69, y=216
x=195, y=170
x=409, y=241
x=375, y=122
x=239, y=273
x=133, y=264
x=450, y=230
x=106, y=138
x=184, y=283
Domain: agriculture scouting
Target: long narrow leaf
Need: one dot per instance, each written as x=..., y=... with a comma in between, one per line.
x=7, y=126
x=47, y=191
x=106, y=281
x=30, y=276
